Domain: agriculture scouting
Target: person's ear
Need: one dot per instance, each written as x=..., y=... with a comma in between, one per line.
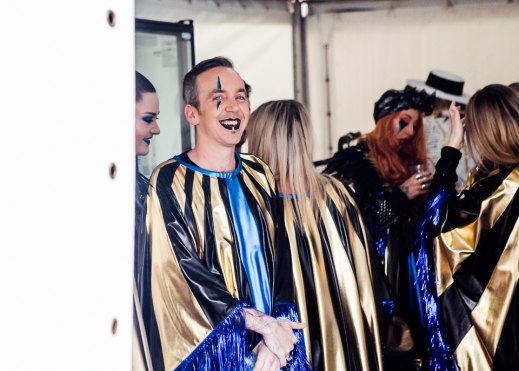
x=192, y=114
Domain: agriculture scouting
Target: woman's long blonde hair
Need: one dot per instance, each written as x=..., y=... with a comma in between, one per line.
x=492, y=126
x=280, y=133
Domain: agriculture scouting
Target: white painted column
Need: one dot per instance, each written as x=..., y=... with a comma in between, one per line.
x=66, y=226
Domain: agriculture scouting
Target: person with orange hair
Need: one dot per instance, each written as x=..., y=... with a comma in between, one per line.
x=390, y=195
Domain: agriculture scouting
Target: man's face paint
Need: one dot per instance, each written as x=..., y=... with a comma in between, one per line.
x=219, y=87
x=222, y=127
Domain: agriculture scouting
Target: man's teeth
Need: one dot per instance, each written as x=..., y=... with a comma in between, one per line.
x=231, y=124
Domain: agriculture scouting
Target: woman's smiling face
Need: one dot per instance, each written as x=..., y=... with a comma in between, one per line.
x=146, y=126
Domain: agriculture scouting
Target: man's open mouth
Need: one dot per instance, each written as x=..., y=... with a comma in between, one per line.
x=231, y=124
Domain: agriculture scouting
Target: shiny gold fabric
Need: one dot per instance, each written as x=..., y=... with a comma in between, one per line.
x=180, y=319
x=298, y=280
x=477, y=348
x=361, y=259
x=259, y=199
x=264, y=178
x=330, y=336
x=198, y=278
x=138, y=362
x=453, y=247
x=490, y=313
x=178, y=185
x=355, y=288
x=198, y=206
x=471, y=354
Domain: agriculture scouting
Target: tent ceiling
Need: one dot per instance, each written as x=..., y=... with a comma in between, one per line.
x=336, y=6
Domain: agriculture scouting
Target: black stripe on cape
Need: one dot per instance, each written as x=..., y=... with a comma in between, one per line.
x=334, y=282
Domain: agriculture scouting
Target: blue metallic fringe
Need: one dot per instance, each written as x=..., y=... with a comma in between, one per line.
x=224, y=348
x=388, y=307
x=440, y=354
x=299, y=361
x=380, y=246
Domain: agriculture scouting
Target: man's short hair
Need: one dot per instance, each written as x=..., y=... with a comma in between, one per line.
x=190, y=90
x=248, y=88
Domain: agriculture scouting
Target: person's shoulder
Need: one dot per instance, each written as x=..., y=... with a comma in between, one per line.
x=358, y=152
x=254, y=162
x=485, y=182
x=251, y=159
x=350, y=162
x=257, y=165
x=359, y=148
x=334, y=186
x=339, y=194
x=165, y=169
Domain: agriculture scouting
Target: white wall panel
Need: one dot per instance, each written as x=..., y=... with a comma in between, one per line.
x=66, y=227
x=371, y=52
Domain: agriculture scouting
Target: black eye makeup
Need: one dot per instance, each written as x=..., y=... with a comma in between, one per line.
x=402, y=124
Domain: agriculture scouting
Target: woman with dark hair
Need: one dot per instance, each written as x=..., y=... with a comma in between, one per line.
x=468, y=247
x=389, y=194
x=147, y=351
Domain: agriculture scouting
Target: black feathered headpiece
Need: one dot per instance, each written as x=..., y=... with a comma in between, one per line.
x=398, y=100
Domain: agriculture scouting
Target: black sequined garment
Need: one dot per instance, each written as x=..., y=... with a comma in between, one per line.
x=384, y=206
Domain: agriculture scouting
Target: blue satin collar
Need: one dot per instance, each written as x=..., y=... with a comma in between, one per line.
x=212, y=173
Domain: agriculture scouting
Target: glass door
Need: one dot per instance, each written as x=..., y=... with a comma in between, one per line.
x=164, y=53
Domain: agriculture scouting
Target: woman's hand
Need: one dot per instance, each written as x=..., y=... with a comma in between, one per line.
x=266, y=361
x=280, y=339
x=457, y=127
x=417, y=185
x=278, y=334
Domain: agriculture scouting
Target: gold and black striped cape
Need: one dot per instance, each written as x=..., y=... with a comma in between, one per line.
x=333, y=282
x=477, y=271
x=197, y=273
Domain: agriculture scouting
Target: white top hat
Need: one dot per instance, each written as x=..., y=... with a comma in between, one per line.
x=445, y=85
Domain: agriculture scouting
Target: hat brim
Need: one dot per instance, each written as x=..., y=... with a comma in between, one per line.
x=421, y=85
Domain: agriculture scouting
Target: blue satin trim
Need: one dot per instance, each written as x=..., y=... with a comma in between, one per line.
x=440, y=354
x=291, y=196
x=250, y=246
x=213, y=173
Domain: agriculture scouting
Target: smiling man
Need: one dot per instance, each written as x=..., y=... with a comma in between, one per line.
x=221, y=284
